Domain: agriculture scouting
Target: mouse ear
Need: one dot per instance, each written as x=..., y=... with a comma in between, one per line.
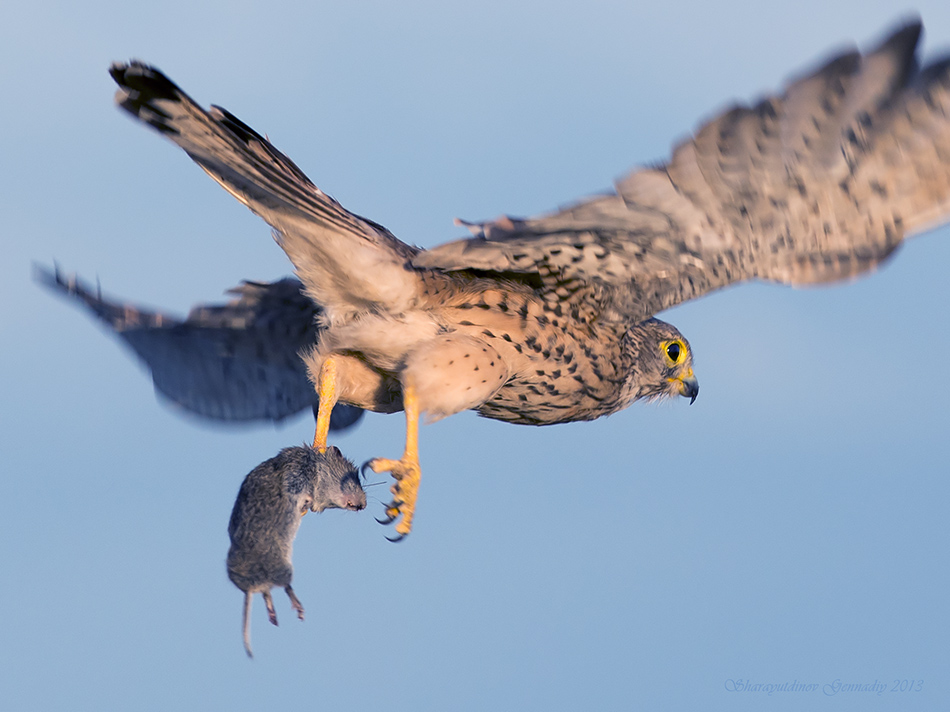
x=335, y=451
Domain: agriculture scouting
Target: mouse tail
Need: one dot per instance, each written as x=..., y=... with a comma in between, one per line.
x=247, y=623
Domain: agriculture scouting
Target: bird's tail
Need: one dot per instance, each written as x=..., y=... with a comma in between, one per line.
x=119, y=316
x=234, y=362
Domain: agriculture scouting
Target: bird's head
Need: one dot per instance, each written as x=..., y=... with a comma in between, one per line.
x=662, y=362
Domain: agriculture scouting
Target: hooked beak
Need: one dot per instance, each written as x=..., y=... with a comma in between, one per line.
x=689, y=387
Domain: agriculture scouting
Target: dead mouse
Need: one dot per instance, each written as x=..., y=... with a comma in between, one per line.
x=267, y=512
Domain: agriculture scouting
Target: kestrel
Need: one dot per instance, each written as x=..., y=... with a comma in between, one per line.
x=550, y=319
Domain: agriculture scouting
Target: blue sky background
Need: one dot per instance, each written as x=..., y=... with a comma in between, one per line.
x=790, y=526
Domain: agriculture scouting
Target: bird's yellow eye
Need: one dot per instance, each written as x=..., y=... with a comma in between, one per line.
x=675, y=351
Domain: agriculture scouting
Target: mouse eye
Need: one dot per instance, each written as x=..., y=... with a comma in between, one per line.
x=675, y=350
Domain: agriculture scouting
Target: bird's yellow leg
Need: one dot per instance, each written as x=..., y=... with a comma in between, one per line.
x=406, y=470
x=328, y=395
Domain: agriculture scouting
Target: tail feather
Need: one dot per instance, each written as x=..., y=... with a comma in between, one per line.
x=234, y=362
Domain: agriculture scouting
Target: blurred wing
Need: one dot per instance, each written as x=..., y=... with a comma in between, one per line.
x=234, y=362
x=819, y=184
x=347, y=263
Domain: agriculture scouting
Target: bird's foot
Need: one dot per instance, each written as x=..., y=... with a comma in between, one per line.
x=405, y=489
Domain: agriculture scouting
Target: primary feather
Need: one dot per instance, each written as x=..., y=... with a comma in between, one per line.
x=818, y=184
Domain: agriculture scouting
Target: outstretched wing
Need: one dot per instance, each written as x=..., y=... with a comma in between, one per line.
x=347, y=263
x=233, y=362
x=819, y=184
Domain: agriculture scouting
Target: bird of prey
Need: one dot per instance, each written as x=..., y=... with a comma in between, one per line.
x=551, y=319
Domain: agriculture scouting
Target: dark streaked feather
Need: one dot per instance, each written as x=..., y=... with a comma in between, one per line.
x=347, y=263
x=819, y=184
x=233, y=362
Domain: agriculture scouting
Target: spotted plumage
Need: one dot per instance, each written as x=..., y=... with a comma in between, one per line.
x=551, y=319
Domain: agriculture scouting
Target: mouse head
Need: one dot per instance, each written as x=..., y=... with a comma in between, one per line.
x=337, y=483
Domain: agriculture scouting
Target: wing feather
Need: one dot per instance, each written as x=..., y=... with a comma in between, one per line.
x=347, y=263
x=819, y=184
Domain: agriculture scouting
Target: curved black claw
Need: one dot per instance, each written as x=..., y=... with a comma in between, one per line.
x=396, y=539
x=392, y=511
x=364, y=467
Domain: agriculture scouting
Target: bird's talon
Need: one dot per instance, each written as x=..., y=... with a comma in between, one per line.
x=406, y=474
x=396, y=539
x=391, y=513
x=368, y=465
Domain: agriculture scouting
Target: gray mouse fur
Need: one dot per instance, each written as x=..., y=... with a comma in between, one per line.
x=267, y=513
